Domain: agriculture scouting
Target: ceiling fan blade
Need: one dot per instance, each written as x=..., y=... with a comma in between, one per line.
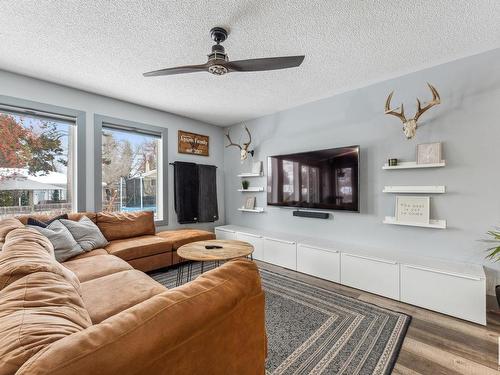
x=177, y=70
x=269, y=63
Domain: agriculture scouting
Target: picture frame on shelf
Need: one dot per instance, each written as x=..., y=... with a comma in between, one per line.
x=249, y=203
x=257, y=167
x=429, y=153
x=413, y=209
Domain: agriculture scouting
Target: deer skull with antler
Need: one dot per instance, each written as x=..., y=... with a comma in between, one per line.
x=244, y=148
x=410, y=126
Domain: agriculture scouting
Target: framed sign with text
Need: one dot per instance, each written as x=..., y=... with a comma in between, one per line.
x=192, y=143
x=413, y=209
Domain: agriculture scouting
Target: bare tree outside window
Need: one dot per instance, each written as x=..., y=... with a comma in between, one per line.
x=129, y=171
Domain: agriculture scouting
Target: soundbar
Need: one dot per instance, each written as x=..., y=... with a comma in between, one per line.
x=312, y=214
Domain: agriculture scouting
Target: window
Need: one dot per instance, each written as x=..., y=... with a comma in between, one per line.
x=132, y=169
x=38, y=159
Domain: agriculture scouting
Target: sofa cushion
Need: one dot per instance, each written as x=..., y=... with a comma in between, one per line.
x=90, y=253
x=121, y=225
x=86, y=233
x=184, y=236
x=71, y=216
x=108, y=295
x=40, y=300
x=138, y=247
x=27, y=251
x=152, y=262
x=90, y=268
x=7, y=225
x=36, y=311
x=65, y=246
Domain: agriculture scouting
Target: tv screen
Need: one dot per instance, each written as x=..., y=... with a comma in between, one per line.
x=324, y=179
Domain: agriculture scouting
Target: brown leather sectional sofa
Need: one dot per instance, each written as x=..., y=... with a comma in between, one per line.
x=133, y=237
x=96, y=314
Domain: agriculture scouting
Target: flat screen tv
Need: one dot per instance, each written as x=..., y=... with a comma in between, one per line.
x=323, y=179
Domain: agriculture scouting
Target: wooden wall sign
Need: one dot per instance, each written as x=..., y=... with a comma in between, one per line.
x=194, y=144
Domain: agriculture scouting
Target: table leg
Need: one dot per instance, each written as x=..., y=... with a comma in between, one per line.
x=190, y=271
x=180, y=274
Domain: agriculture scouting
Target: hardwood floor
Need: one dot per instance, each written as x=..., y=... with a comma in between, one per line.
x=435, y=343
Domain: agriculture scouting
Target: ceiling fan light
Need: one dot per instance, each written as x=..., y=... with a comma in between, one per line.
x=217, y=70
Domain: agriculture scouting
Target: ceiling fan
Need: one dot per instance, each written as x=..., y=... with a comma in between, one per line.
x=218, y=62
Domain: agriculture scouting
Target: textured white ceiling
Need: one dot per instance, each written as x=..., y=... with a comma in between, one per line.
x=104, y=47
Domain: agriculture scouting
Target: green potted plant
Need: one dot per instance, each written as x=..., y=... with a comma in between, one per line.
x=245, y=184
x=494, y=253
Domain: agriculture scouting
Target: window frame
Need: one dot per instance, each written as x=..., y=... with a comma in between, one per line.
x=32, y=108
x=100, y=122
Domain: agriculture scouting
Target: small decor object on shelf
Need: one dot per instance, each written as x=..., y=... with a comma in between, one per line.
x=429, y=153
x=494, y=255
x=257, y=167
x=412, y=209
x=249, y=203
x=410, y=125
x=392, y=162
x=191, y=143
x=245, y=184
x=244, y=148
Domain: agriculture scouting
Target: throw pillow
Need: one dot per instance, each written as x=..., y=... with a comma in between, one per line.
x=86, y=233
x=44, y=224
x=65, y=246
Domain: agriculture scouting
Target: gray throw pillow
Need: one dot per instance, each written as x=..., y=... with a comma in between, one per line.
x=65, y=246
x=86, y=233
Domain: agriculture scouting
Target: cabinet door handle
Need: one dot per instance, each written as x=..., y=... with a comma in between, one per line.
x=250, y=235
x=282, y=241
x=443, y=272
x=372, y=259
x=318, y=248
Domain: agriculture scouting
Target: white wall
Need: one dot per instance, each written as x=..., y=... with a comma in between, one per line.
x=49, y=93
x=467, y=122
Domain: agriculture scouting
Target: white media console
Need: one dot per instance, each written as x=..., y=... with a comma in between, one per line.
x=452, y=288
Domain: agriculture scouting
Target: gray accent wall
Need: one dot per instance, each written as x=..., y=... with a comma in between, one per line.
x=467, y=122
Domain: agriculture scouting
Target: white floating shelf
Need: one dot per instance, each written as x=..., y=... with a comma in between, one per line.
x=436, y=224
x=255, y=210
x=251, y=175
x=252, y=188
x=413, y=165
x=415, y=189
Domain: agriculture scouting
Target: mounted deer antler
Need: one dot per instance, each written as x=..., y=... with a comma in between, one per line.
x=410, y=126
x=244, y=148
x=231, y=143
x=435, y=101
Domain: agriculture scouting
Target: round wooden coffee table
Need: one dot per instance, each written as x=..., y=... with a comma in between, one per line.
x=210, y=251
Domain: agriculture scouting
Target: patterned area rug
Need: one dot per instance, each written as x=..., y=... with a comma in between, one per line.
x=312, y=330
